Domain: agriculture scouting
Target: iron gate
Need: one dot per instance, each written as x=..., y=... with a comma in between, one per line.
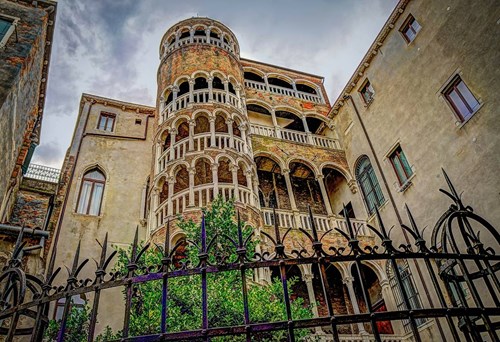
x=460, y=267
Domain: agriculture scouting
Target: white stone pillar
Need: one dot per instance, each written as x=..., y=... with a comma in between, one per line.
x=191, y=90
x=173, y=134
x=192, y=172
x=211, y=120
x=249, y=174
x=267, y=83
x=348, y=281
x=229, y=123
x=177, y=34
x=226, y=89
x=192, y=124
x=286, y=174
x=210, y=89
x=175, y=90
x=237, y=88
x=215, y=179
x=171, y=184
x=277, y=129
x=157, y=156
x=307, y=277
x=207, y=32
x=294, y=86
x=234, y=170
x=243, y=129
x=306, y=129
x=324, y=194
x=256, y=190
x=191, y=35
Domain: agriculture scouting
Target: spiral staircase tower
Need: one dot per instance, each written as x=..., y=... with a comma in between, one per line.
x=202, y=147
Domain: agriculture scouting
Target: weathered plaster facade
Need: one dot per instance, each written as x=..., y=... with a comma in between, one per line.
x=23, y=78
x=268, y=137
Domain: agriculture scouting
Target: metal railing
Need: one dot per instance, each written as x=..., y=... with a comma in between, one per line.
x=455, y=260
x=43, y=173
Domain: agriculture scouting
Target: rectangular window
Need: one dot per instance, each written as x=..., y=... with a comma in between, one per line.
x=367, y=92
x=106, y=122
x=410, y=29
x=6, y=29
x=462, y=100
x=400, y=164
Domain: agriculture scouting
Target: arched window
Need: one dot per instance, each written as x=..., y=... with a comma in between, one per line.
x=369, y=184
x=409, y=288
x=89, y=201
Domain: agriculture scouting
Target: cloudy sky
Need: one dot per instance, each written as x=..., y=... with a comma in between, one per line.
x=110, y=48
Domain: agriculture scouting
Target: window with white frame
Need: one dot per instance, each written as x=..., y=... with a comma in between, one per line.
x=461, y=99
x=410, y=29
x=91, y=191
x=7, y=27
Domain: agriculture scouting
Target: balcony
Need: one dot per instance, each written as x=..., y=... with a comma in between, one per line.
x=199, y=40
x=199, y=96
x=200, y=143
x=43, y=173
x=202, y=195
x=283, y=91
x=295, y=136
x=289, y=219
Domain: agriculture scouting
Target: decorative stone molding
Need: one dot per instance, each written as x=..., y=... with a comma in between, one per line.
x=353, y=186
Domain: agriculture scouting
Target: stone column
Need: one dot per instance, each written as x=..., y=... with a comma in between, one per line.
x=177, y=34
x=286, y=174
x=348, y=281
x=171, y=184
x=211, y=120
x=192, y=124
x=307, y=277
x=226, y=89
x=243, y=129
x=175, y=90
x=249, y=174
x=237, y=88
x=229, y=123
x=157, y=156
x=267, y=83
x=191, y=35
x=173, y=134
x=275, y=124
x=155, y=204
x=207, y=32
x=306, y=129
x=215, y=179
x=191, y=90
x=256, y=190
x=192, y=172
x=210, y=89
x=234, y=170
x=294, y=86
x=324, y=194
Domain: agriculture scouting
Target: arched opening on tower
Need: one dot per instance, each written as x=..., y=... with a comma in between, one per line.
x=200, y=31
x=202, y=125
x=224, y=174
x=236, y=129
x=203, y=173
x=220, y=124
x=306, y=188
x=279, y=82
x=214, y=35
x=181, y=179
x=200, y=83
x=217, y=83
x=248, y=75
x=182, y=131
x=163, y=195
x=241, y=174
x=184, y=34
x=183, y=89
x=305, y=88
x=272, y=184
x=231, y=88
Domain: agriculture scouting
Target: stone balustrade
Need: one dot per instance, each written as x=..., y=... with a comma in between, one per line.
x=198, y=40
x=283, y=91
x=295, y=136
x=291, y=219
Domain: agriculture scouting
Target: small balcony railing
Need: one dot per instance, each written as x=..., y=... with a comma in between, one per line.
x=287, y=219
x=295, y=136
x=200, y=40
x=199, y=96
x=283, y=91
x=43, y=173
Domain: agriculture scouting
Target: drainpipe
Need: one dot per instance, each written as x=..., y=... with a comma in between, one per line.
x=396, y=211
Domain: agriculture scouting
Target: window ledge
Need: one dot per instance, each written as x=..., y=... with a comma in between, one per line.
x=406, y=184
x=462, y=124
x=88, y=215
x=367, y=104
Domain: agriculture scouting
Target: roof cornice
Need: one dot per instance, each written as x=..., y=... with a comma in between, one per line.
x=138, y=108
x=369, y=56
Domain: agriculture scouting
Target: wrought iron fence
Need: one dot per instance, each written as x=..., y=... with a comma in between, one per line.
x=44, y=173
x=460, y=266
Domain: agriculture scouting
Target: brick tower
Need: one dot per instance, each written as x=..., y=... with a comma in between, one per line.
x=202, y=147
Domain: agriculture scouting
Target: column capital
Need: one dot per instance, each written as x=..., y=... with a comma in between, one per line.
x=319, y=177
x=243, y=126
x=225, y=81
x=171, y=180
x=237, y=87
x=233, y=168
x=210, y=79
x=211, y=119
x=192, y=170
x=249, y=172
x=191, y=81
x=175, y=89
x=285, y=171
x=192, y=122
x=214, y=166
x=172, y=130
x=353, y=186
x=384, y=283
x=229, y=122
x=348, y=280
